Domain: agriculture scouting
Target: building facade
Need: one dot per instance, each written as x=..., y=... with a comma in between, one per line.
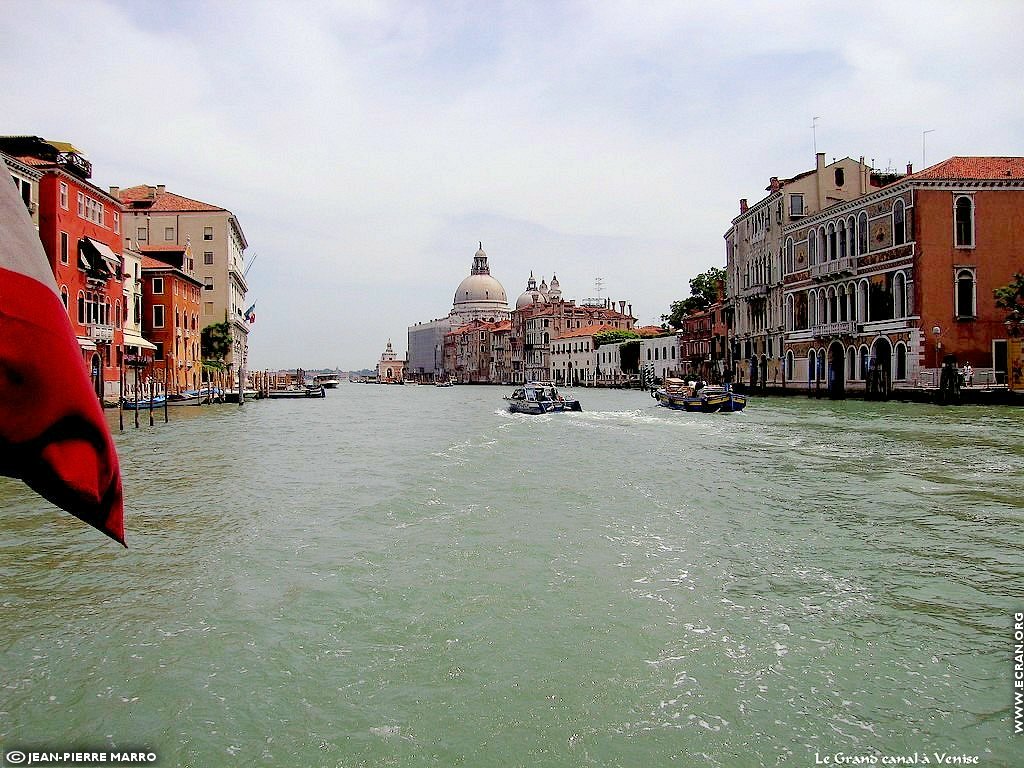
x=155, y=217
x=754, y=275
x=80, y=229
x=879, y=290
x=390, y=369
x=172, y=298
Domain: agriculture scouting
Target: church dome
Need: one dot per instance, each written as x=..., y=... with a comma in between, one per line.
x=480, y=291
x=532, y=295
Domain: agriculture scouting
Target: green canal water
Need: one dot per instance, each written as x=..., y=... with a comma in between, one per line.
x=411, y=576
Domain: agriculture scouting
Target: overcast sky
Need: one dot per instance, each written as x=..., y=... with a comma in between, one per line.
x=366, y=147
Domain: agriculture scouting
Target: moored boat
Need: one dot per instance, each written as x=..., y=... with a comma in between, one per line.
x=294, y=392
x=143, y=404
x=189, y=397
x=540, y=397
x=681, y=395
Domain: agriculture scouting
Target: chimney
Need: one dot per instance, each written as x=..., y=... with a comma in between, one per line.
x=160, y=189
x=819, y=161
x=114, y=191
x=773, y=184
x=630, y=310
x=819, y=176
x=743, y=205
x=910, y=168
x=863, y=177
x=622, y=307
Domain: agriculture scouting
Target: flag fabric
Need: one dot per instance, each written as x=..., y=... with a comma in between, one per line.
x=53, y=434
x=250, y=314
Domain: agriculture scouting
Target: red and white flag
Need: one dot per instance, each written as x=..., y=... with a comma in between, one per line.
x=52, y=431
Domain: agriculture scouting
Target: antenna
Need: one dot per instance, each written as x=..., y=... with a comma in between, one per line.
x=814, y=133
x=923, y=135
x=249, y=265
x=598, y=285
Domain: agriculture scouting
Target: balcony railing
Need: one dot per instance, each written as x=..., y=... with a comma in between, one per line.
x=753, y=291
x=844, y=266
x=98, y=332
x=839, y=328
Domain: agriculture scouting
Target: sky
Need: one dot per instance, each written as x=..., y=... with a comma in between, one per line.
x=367, y=147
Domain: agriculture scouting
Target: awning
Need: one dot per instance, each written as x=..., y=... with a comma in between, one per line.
x=131, y=340
x=86, y=344
x=105, y=253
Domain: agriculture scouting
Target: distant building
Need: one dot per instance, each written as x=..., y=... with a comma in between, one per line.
x=479, y=297
x=390, y=368
x=880, y=289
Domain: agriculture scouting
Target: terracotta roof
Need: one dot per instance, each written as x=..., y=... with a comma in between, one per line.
x=504, y=325
x=988, y=168
x=35, y=162
x=589, y=330
x=650, y=330
x=149, y=262
x=145, y=197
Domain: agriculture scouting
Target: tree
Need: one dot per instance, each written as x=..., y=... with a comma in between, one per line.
x=610, y=337
x=703, y=293
x=215, y=342
x=1011, y=298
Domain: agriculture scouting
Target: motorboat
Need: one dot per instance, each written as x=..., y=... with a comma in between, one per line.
x=328, y=381
x=698, y=397
x=143, y=404
x=537, y=397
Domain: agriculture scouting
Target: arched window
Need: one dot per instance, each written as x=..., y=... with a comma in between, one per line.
x=81, y=307
x=812, y=308
x=964, y=215
x=830, y=242
x=811, y=365
x=864, y=357
x=790, y=255
x=862, y=233
x=789, y=313
x=842, y=239
x=899, y=295
x=851, y=363
x=901, y=362
x=64, y=296
x=812, y=246
x=840, y=177
x=965, y=293
x=863, y=315
x=789, y=365
x=899, y=223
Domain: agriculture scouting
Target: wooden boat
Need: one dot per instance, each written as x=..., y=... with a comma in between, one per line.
x=144, y=404
x=295, y=393
x=189, y=397
x=684, y=396
x=540, y=397
x=444, y=383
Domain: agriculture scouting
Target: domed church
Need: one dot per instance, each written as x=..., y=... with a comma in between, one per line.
x=479, y=296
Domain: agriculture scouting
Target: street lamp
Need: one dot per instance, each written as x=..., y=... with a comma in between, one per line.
x=937, y=332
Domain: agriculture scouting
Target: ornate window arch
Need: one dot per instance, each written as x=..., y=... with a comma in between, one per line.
x=899, y=223
x=963, y=217
x=966, y=293
x=899, y=295
x=862, y=233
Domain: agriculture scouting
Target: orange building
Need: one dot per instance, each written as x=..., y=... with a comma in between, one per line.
x=880, y=289
x=172, y=301
x=80, y=229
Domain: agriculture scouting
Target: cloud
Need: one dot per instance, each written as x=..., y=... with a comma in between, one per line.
x=367, y=147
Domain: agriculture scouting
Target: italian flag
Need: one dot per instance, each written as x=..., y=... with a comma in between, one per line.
x=53, y=435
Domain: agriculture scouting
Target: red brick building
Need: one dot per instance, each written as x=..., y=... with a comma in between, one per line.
x=172, y=301
x=80, y=229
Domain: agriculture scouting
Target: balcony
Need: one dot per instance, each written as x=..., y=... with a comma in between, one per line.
x=840, y=328
x=99, y=332
x=755, y=291
x=844, y=266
